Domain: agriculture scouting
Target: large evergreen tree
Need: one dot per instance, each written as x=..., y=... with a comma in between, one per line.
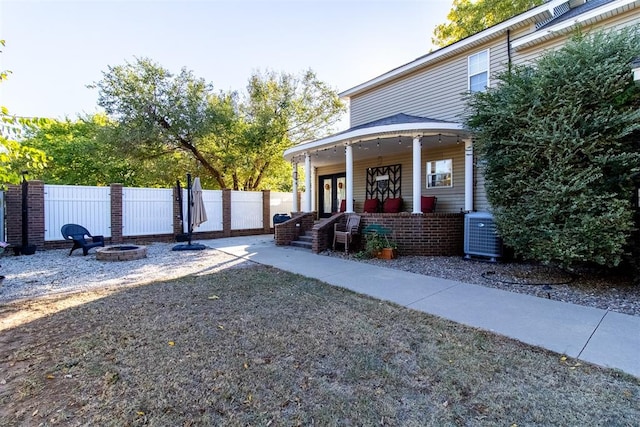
x=561, y=141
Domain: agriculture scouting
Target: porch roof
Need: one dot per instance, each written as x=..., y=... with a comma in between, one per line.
x=391, y=134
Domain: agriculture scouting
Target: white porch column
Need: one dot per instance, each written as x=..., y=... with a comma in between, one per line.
x=417, y=175
x=349, y=160
x=468, y=175
x=295, y=207
x=307, y=182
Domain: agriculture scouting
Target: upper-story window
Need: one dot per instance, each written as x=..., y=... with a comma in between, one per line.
x=479, y=71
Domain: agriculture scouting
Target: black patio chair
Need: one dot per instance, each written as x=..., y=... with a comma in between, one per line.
x=79, y=235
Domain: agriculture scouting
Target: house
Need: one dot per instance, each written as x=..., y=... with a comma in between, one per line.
x=406, y=138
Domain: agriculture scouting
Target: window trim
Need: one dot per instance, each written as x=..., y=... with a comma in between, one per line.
x=469, y=75
x=428, y=175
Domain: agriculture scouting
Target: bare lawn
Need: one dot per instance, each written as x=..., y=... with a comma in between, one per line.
x=259, y=346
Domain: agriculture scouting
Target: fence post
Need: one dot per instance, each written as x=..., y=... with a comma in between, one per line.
x=226, y=212
x=178, y=227
x=35, y=225
x=116, y=213
x=266, y=211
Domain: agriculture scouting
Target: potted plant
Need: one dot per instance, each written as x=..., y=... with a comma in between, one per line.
x=378, y=244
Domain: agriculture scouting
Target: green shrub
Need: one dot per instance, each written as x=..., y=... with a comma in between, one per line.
x=561, y=145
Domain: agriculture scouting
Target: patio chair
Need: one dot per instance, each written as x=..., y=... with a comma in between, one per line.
x=79, y=235
x=344, y=233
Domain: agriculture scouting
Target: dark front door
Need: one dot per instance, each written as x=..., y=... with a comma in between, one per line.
x=333, y=189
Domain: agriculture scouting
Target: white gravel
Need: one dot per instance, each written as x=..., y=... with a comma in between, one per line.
x=54, y=271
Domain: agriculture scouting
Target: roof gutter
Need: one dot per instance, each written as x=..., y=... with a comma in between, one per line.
x=566, y=26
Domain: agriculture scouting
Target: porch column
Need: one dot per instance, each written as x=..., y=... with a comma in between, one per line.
x=417, y=175
x=295, y=207
x=307, y=182
x=468, y=175
x=349, y=160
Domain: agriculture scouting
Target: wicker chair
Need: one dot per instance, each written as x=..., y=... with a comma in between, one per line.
x=344, y=233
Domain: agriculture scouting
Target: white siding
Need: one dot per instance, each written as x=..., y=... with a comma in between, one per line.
x=83, y=205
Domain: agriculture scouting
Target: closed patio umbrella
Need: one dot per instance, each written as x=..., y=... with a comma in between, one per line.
x=199, y=214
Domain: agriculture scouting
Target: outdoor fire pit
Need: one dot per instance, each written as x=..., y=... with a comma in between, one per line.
x=121, y=253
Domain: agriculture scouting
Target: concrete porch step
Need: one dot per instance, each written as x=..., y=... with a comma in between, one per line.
x=304, y=241
x=302, y=244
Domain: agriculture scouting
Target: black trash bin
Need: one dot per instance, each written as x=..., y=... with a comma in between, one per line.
x=279, y=218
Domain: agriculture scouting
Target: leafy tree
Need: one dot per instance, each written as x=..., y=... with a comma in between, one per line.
x=14, y=157
x=237, y=142
x=561, y=140
x=468, y=17
x=82, y=152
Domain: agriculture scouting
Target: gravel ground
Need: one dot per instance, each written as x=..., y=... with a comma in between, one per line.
x=53, y=272
x=608, y=292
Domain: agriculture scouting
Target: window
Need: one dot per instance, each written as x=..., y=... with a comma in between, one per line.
x=440, y=173
x=478, y=71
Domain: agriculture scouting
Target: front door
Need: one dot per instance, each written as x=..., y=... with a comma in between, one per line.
x=333, y=189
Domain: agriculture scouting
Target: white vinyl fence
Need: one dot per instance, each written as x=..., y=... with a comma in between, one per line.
x=70, y=204
x=212, y=205
x=280, y=203
x=147, y=211
x=246, y=210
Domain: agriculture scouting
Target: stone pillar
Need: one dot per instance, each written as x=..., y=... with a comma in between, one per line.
x=116, y=213
x=35, y=214
x=178, y=227
x=266, y=211
x=226, y=212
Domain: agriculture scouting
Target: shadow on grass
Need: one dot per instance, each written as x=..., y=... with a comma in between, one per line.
x=259, y=346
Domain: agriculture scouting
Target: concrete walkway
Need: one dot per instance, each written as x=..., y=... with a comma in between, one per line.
x=594, y=335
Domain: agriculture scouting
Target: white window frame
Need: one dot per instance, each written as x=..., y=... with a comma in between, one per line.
x=446, y=176
x=472, y=72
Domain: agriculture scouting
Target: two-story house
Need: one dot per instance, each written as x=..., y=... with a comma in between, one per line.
x=406, y=138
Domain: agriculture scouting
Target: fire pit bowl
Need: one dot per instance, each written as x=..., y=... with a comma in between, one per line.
x=121, y=253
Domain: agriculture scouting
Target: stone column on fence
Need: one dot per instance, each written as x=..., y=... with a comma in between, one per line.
x=35, y=214
x=178, y=227
x=116, y=213
x=266, y=211
x=226, y=212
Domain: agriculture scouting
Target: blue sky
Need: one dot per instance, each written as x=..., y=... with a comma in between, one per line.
x=55, y=48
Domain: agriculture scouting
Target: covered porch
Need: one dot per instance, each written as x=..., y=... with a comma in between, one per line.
x=401, y=158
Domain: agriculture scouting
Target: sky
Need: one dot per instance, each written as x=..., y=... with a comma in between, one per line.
x=54, y=49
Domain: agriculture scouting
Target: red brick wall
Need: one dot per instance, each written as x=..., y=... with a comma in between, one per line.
x=288, y=231
x=422, y=234
x=35, y=214
x=116, y=213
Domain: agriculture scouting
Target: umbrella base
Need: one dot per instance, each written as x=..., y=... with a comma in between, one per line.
x=191, y=247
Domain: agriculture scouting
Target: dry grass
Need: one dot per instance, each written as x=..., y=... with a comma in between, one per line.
x=258, y=346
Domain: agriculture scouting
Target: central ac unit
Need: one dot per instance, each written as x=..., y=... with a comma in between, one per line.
x=480, y=236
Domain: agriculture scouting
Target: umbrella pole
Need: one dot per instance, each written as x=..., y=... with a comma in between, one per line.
x=189, y=246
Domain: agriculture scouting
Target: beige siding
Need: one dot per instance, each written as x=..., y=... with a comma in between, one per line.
x=449, y=199
x=436, y=91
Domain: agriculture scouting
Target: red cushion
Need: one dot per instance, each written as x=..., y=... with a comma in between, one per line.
x=427, y=204
x=392, y=205
x=343, y=205
x=371, y=205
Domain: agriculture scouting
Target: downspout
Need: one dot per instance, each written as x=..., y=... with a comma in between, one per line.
x=509, y=50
